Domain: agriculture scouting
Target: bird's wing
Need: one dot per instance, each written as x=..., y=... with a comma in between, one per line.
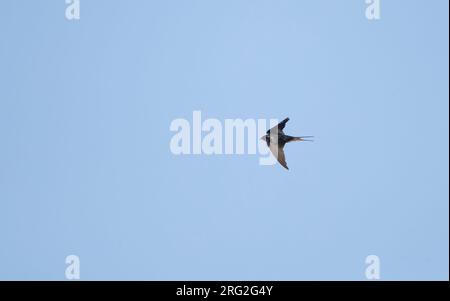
x=278, y=153
x=279, y=127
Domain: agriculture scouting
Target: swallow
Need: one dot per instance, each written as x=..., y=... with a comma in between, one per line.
x=276, y=140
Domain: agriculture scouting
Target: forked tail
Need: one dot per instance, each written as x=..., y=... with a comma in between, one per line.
x=303, y=138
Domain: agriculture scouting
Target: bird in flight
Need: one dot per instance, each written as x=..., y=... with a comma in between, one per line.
x=276, y=140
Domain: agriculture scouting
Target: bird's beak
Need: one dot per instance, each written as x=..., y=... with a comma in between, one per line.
x=263, y=138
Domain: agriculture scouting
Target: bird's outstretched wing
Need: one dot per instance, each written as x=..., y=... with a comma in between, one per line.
x=279, y=126
x=278, y=153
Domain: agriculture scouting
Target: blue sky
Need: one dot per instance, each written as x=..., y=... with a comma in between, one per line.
x=86, y=168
